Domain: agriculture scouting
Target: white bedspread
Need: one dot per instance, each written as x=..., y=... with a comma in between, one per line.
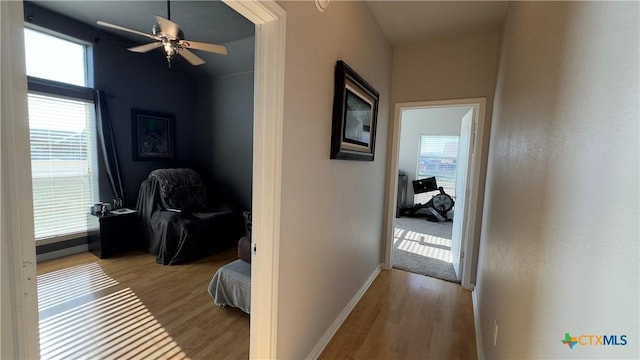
x=231, y=286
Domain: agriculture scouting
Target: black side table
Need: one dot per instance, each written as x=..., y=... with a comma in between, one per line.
x=113, y=234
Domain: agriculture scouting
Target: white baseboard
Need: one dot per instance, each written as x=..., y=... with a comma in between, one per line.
x=63, y=252
x=478, y=328
x=328, y=335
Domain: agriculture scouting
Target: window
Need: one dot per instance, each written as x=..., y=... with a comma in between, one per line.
x=53, y=58
x=437, y=157
x=61, y=126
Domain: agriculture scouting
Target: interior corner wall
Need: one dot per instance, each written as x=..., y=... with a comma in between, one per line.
x=225, y=134
x=332, y=211
x=463, y=67
x=416, y=122
x=132, y=80
x=455, y=68
x=560, y=251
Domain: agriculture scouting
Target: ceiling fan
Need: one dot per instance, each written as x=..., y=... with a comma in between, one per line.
x=169, y=36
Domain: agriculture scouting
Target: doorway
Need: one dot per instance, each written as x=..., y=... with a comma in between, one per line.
x=270, y=20
x=466, y=121
x=18, y=252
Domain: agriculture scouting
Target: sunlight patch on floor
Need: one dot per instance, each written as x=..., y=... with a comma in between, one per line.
x=428, y=251
x=79, y=280
x=423, y=244
x=115, y=326
x=427, y=239
x=397, y=235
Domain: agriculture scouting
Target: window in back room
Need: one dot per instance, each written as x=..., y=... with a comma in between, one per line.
x=437, y=156
x=62, y=131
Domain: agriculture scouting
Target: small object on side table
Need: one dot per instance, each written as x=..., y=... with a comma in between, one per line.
x=113, y=233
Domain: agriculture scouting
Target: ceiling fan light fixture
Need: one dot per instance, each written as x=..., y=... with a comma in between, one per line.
x=169, y=48
x=168, y=35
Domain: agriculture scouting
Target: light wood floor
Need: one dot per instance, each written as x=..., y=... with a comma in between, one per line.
x=130, y=307
x=407, y=316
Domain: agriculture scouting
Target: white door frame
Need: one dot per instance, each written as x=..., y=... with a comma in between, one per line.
x=19, y=331
x=470, y=235
x=18, y=298
x=270, y=20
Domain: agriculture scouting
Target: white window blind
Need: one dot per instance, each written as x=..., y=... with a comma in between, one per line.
x=437, y=157
x=62, y=153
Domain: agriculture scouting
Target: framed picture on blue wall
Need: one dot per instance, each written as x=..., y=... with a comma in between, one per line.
x=153, y=135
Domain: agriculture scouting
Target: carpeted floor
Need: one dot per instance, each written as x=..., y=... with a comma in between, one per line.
x=423, y=247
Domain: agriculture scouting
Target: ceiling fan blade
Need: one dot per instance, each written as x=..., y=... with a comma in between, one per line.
x=122, y=28
x=214, y=48
x=146, y=47
x=168, y=27
x=192, y=58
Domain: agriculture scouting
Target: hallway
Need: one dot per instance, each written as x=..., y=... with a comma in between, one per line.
x=407, y=316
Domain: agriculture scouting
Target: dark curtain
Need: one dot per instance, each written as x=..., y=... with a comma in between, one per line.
x=107, y=141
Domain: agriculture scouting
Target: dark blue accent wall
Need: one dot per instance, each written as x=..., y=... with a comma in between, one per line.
x=225, y=133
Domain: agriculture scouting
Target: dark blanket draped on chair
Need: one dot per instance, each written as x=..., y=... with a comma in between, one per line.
x=108, y=145
x=179, y=223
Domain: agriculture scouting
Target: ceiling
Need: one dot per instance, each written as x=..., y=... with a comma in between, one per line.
x=406, y=22
x=206, y=21
x=202, y=20
x=212, y=21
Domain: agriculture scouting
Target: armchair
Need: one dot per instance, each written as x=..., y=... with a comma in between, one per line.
x=179, y=223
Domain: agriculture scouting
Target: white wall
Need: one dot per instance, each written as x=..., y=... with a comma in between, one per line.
x=446, y=69
x=450, y=69
x=559, y=251
x=332, y=210
x=416, y=122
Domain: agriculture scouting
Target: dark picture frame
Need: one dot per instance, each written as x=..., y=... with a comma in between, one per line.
x=153, y=135
x=355, y=116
